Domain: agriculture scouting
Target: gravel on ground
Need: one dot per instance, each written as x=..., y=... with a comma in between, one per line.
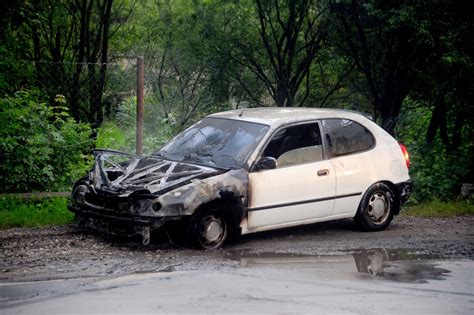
x=63, y=252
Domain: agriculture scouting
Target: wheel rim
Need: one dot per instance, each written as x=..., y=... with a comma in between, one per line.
x=212, y=231
x=378, y=207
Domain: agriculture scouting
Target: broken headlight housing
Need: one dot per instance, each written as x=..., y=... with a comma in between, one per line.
x=138, y=206
x=79, y=194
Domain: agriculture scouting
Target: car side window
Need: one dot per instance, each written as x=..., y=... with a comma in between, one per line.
x=345, y=136
x=295, y=145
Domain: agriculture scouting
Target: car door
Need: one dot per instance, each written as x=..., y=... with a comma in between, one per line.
x=350, y=145
x=302, y=187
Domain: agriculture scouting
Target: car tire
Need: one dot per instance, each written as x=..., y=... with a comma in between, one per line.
x=208, y=229
x=376, y=208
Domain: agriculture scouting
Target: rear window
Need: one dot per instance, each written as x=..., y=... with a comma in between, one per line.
x=346, y=136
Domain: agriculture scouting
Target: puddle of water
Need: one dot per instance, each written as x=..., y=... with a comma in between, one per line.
x=401, y=265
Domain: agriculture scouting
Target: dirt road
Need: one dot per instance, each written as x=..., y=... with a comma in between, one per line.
x=65, y=252
x=417, y=266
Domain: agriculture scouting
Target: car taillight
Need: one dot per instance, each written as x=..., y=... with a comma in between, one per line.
x=405, y=154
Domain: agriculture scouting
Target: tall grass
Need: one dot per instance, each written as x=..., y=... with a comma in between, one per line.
x=436, y=208
x=15, y=212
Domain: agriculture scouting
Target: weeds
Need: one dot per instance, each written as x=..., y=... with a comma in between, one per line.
x=15, y=212
x=436, y=208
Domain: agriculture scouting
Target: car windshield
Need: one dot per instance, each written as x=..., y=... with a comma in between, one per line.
x=215, y=142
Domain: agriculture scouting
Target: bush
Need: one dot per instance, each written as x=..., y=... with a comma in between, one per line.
x=119, y=131
x=14, y=73
x=110, y=136
x=42, y=147
x=437, y=171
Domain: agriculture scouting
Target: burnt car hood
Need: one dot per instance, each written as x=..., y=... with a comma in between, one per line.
x=122, y=173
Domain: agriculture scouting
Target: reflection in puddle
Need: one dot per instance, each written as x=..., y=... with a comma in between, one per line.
x=395, y=265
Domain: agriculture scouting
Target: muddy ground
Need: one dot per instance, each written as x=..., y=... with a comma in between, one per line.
x=65, y=252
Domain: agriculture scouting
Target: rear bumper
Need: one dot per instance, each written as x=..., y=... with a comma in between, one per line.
x=404, y=190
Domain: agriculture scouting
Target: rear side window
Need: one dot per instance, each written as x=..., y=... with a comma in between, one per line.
x=346, y=136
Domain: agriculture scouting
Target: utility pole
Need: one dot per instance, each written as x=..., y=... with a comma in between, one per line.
x=140, y=105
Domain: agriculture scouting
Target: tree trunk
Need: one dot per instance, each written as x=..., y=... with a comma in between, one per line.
x=438, y=118
x=103, y=63
x=281, y=96
x=457, y=130
x=75, y=87
x=91, y=73
x=97, y=80
x=390, y=105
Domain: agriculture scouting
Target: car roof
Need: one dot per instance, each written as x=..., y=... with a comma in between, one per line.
x=277, y=116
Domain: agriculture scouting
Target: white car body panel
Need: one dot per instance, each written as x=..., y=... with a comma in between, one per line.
x=297, y=191
x=246, y=230
x=351, y=174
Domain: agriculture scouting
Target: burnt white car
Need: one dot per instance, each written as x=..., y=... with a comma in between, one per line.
x=251, y=170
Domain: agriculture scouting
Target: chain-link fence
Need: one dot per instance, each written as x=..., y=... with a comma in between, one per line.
x=92, y=90
x=96, y=92
x=173, y=96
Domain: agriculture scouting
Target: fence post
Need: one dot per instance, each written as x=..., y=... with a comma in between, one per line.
x=140, y=106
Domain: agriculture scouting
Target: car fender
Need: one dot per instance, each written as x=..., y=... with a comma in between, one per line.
x=186, y=200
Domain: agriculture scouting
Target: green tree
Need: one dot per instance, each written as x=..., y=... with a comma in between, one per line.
x=389, y=43
x=278, y=44
x=446, y=83
x=61, y=37
x=42, y=146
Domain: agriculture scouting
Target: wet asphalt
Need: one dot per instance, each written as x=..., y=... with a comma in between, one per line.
x=416, y=266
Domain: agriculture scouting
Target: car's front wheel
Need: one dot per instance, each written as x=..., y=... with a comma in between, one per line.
x=208, y=229
x=376, y=208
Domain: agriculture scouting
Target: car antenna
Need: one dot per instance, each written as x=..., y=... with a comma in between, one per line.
x=241, y=113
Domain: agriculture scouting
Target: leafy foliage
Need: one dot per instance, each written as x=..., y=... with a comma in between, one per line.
x=119, y=131
x=388, y=42
x=437, y=171
x=13, y=73
x=42, y=146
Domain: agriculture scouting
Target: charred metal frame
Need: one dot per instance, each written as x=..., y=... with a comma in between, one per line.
x=144, y=193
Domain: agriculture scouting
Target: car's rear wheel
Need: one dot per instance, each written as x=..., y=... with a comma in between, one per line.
x=208, y=229
x=376, y=208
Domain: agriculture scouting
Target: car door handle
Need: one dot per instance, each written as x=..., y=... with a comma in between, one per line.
x=323, y=172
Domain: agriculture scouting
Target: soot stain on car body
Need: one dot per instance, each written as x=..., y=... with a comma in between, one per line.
x=126, y=194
